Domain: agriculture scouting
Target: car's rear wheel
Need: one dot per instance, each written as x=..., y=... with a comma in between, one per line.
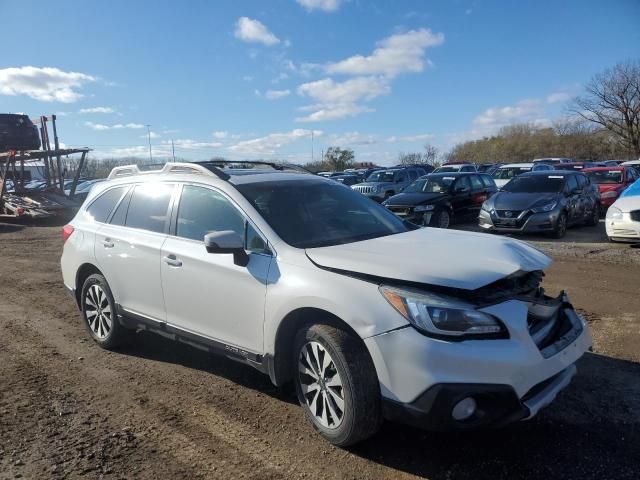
x=561, y=226
x=99, y=312
x=336, y=384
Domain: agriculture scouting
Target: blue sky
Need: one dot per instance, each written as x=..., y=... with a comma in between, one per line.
x=253, y=79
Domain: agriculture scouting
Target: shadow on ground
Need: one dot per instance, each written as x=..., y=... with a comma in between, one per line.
x=597, y=413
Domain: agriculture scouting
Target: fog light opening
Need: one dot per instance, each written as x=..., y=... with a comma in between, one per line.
x=464, y=409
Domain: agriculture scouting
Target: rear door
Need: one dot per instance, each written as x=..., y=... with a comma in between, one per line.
x=128, y=249
x=208, y=294
x=461, y=200
x=478, y=194
x=574, y=206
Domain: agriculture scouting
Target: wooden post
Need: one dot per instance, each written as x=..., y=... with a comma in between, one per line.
x=47, y=170
x=77, y=175
x=56, y=145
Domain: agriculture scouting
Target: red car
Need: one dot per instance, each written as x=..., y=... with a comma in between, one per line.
x=611, y=181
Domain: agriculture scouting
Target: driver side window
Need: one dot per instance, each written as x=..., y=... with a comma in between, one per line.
x=202, y=210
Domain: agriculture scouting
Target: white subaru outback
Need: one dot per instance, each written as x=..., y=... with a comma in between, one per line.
x=313, y=284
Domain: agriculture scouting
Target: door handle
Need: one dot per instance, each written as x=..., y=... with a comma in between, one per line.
x=172, y=261
x=107, y=243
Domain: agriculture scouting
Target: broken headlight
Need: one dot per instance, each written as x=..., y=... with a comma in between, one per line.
x=440, y=316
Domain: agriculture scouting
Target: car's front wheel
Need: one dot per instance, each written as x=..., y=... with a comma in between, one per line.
x=336, y=384
x=561, y=226
x=99, y=312
x=441, y=219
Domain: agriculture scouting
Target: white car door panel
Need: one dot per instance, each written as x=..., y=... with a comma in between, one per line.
x=209, y=295
x=206, y=293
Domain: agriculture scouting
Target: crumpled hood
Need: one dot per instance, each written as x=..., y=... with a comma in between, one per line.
x=521, y=201
x=447, y=258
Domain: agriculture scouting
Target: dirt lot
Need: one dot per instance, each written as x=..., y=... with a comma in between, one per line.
x=157, y=409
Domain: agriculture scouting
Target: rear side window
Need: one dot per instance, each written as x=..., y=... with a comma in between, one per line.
x=203, y=210
x=488, y=181
x=476, y=183
x=149, y=207
x=101, y=207
x=572, y=184
x=582, y=181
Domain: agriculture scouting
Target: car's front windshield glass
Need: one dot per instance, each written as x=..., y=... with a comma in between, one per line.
x=446, y=169
x=431, y=184
x=381, y=177
x=506, y=173
x=535, y=184
x=309, y=213
x=606, y=176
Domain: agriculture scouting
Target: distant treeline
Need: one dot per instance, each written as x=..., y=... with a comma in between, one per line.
x=522, y=143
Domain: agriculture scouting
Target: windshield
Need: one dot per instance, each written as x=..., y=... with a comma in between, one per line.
x=431, y=185
x=381, y=177
x=308, y=214
x=507, y=173
x=535, y=184
x=606, y=176
x=446, y=169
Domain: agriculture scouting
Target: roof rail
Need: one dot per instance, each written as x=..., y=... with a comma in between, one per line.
x=178, y=167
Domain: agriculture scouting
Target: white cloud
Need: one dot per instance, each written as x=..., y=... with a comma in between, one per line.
x=253, y=31
x=525, y=111
x=276, y=94
x=336, y=100
x=270, y=144
x=352, y=138
x=45, y=84
x=220, y=134
x=324, y=5
x=153, y=135
x=399, y=53
x=117, y=126
x=97, y=110
x=411, y=138
x=189, y=144
x=558, y=97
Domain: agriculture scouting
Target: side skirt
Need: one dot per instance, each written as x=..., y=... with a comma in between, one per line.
x=136, y=321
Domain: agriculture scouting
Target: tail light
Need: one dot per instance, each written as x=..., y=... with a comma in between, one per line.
x=67, y=230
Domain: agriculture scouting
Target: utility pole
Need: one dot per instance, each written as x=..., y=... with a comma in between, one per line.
x=149, y=136
x=173, y=151
x=312, y=146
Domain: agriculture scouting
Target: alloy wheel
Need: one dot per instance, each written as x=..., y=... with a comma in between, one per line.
x=321, y=385
x=98, y=311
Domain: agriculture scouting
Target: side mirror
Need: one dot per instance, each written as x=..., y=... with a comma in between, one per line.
x=227, y=241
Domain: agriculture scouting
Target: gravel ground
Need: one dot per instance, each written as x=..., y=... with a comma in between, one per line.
x=156, y=409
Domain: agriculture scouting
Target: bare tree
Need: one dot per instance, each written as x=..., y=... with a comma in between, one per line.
x=612, y=100
x=430, y=154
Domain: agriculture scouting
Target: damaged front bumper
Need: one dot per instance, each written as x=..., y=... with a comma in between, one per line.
x=423, y=379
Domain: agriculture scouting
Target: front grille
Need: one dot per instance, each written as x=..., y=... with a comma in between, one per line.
x=364, y=189
x=635, y=215
x=624, y=232
x=508, y=213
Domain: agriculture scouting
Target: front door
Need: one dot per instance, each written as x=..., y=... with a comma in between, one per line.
x=208, y=294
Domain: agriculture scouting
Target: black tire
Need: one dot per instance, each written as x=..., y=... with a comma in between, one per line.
x=594, y=220
x=108, y=336
x=441, y=218
x=560, y=229
x=360, y=389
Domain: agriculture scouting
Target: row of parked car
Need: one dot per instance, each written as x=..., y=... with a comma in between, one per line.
x=82, y=188
x=541, y=196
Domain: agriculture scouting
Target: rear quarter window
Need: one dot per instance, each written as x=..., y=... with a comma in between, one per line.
x=101, y=207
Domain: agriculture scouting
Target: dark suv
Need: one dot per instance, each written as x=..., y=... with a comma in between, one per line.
x=384, y=184
x=436, y=199
x=17, y=132
x=542, y=202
